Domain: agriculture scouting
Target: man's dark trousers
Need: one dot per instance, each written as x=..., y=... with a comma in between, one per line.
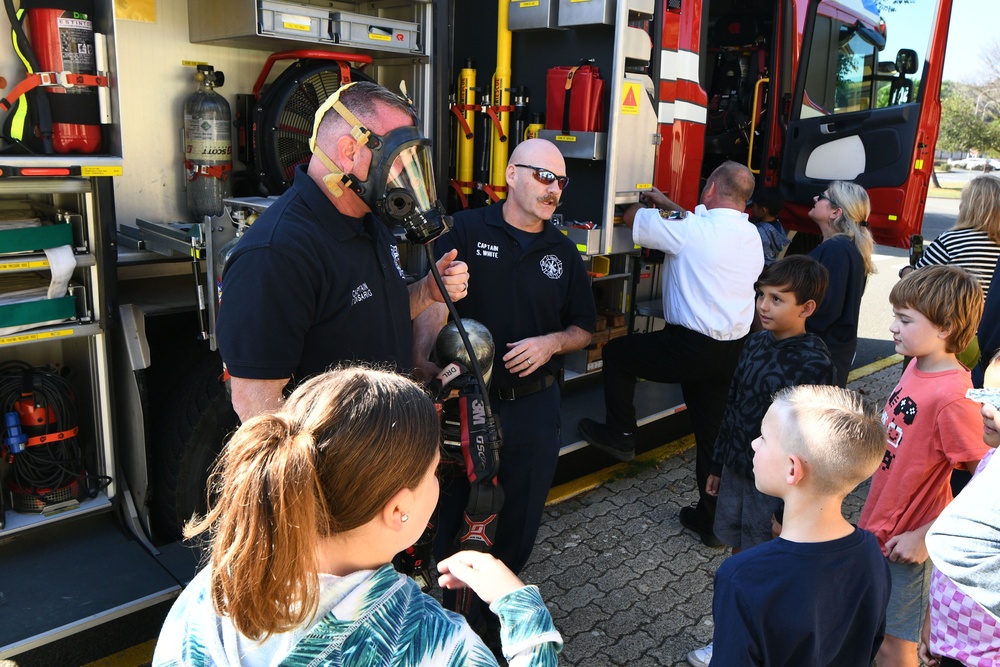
x=701, y=365
x=528, y=457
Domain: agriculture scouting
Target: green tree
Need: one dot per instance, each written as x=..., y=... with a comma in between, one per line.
x=962, y=128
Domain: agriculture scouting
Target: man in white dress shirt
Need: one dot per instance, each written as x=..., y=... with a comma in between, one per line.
x=713, y=256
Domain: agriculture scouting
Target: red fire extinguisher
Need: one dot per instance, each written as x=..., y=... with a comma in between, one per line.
x=62, y=36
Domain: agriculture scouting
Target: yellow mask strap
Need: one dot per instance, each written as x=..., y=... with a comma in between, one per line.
x=359, y=132
x=336, y=180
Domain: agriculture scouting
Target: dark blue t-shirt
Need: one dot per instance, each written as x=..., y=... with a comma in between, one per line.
x=308, y=287
x=794, y=603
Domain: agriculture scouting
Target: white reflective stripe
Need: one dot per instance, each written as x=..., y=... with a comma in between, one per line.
x=678, y=65
x=665, y=114
x=668, y=112
x=691, y=112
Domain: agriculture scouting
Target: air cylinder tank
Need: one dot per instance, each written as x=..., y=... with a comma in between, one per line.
x=208, y=146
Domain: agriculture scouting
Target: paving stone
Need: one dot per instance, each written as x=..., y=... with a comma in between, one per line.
x=626, y=584
x=632, y=648
x=579, y=596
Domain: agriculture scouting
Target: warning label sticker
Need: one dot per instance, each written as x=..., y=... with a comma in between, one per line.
x=630, y=100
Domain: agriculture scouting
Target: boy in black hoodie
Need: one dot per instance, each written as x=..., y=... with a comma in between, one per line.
x=782, y=355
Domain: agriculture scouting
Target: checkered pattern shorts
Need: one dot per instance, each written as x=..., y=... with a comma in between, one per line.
x=960, y=628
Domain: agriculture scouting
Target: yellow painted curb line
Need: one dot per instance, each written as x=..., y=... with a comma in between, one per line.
x=873, y=367
x=586, y=483
x=557, y=494
x=140, y=654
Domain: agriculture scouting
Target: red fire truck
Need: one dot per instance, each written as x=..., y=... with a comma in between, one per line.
x=802, y=91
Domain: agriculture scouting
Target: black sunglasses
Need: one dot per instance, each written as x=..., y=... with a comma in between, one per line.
x=825, y=196
x=545, y=176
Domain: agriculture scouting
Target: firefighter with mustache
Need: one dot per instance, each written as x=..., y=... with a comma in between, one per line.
x=530, y=288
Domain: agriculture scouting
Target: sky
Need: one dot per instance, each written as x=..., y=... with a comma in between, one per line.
x=974, y=24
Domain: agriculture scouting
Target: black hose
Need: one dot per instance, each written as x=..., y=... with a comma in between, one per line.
x=46, y=469
x=476, y=368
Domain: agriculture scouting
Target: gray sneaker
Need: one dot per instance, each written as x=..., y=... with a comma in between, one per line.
x=700, y=657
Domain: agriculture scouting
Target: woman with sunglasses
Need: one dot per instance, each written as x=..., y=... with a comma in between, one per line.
x=312, y=503
x=841, y=212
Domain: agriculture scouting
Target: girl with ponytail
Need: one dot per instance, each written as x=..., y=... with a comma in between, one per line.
x=312, y=503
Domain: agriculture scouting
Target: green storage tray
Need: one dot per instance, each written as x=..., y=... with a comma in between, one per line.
x=33, y=239
x=32, y=312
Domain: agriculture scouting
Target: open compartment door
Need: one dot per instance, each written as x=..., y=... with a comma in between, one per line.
x=866, y=107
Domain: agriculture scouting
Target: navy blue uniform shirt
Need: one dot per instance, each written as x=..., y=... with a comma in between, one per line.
x=308, y=287
x=518, y=293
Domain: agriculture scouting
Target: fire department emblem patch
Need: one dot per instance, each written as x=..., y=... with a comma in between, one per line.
x=551, y=267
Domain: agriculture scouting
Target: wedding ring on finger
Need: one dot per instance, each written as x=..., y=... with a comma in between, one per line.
x=529, y=362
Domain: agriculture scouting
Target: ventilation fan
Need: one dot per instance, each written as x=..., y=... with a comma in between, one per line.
x=277, y=139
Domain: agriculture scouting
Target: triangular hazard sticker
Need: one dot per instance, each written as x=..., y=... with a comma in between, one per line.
x=630, y=98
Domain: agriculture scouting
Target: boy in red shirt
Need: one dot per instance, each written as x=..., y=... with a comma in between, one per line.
x=931, y=429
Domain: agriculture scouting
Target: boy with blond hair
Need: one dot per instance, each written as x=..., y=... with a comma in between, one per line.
x=817, y=594
x=782, y=355
x=931, y=430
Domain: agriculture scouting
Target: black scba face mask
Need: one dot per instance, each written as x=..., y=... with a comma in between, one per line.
x=400, y=186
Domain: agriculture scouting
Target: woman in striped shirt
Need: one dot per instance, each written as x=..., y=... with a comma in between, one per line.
x=974, y=242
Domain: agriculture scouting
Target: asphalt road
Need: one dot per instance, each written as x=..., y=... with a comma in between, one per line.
x=874, y=339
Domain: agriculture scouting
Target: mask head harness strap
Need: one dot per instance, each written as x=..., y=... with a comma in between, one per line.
x=337, y=180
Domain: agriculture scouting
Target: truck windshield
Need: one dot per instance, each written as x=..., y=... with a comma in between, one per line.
x=846, y=71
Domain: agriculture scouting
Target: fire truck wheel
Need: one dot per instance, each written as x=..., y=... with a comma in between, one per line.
x=193, y=432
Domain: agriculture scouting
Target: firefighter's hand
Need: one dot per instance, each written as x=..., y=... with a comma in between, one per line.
x=425, y=370
x=484, y=574
x=529, y=354
x=628, y=217
x=712, y=485
x=454, y=275
x=656, y=199
x=659, y=200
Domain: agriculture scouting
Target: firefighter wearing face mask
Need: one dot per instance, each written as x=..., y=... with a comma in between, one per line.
x=316, y=279
x=531, y=291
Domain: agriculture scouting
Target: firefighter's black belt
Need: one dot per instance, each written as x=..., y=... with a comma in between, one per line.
x=514, y=393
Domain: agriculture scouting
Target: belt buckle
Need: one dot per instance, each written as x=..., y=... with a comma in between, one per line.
x=507, y=394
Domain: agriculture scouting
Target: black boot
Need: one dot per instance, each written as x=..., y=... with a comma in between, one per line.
x=617, y=444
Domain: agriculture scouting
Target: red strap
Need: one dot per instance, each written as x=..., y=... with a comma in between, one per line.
x=69, y=79
x=492, y=191
x=492, y=111
x=459, y=110
x=569, y=96
x=215, y=171
x=52, y=437
x=457, y=187
x=47, y=79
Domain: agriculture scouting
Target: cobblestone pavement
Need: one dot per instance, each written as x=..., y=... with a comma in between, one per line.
x=625, y=582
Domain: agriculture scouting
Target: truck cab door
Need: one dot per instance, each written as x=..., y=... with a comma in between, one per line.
x=865, y=107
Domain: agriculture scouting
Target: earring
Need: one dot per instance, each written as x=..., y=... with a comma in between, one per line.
x=404, y=518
